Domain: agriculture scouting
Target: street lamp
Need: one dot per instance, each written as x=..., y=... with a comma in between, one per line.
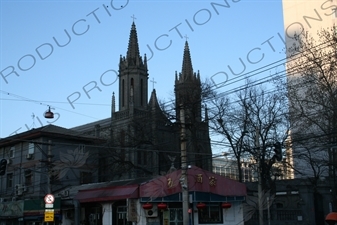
x=49, y=114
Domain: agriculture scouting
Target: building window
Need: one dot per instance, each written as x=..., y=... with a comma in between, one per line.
x=31, y=148
x=210, y=215
x=86, y=177
x=11, y=152
x=81, y=149
x=279, y=205
x=28, y=177
x=143, y=157
x=9, y=180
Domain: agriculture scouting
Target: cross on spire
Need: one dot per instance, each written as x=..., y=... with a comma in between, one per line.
x=153, y=82
x=133, y=17
x=186, y=37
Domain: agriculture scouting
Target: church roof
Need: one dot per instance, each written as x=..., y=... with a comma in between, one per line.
x=89, y=126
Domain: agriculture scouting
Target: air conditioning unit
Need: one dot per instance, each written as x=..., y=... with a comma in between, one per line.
x=64, y=193
x=18, y=189
x=152, y=212
x=29, y=156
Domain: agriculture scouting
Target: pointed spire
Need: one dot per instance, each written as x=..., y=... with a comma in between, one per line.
x=153, y=102
x=113, y=102
x=206, y=113
x=133, y=49
x=187, y=70
x=145, y=61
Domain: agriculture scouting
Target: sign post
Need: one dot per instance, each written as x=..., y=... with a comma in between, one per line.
x=49, y=211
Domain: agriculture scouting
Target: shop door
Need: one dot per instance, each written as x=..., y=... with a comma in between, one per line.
x=121, y=215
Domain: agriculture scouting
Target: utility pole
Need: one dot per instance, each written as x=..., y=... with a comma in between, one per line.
x=259, y=170
x=49, y=161
x=183, y=179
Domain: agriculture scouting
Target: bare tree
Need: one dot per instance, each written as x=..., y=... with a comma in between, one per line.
x=312, y=87
x=251, y=123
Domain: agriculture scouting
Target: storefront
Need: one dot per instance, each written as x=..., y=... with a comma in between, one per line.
x=35, y=212
x=213, y=199
x=109, y=205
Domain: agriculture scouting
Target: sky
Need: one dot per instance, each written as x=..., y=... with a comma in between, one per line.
x=41, y=67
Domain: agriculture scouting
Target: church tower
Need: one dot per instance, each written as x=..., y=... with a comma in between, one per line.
x=188, y=90
x=133, y=76
x=188, y=95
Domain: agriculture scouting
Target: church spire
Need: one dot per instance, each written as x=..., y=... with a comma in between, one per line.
x=187, y=69
x=132, y=54
x=133, y=76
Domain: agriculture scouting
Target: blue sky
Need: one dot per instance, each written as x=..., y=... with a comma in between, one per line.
x=218, y=37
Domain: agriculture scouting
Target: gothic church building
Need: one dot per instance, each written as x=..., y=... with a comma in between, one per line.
x=142, y=141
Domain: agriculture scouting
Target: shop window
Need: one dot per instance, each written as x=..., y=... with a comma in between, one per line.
x=210, y=214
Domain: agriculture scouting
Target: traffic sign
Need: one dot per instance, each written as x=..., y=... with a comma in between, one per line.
x=49, y=216
x=49, y=199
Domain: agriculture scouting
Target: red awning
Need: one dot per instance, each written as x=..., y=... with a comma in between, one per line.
x=199, y=180
x=107, y=194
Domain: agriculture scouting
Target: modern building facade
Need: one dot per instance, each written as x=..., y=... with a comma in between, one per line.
x=312, y=90
x=309, y=141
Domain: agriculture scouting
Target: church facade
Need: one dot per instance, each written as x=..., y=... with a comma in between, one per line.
x=142, y=140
